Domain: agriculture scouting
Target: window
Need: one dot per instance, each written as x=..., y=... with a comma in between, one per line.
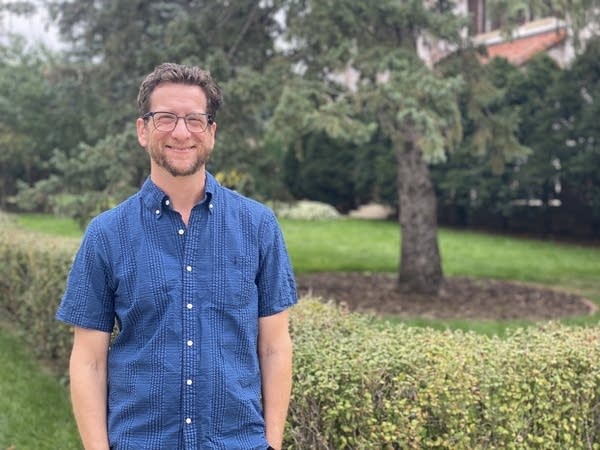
x=477, y=12
x=482, y=22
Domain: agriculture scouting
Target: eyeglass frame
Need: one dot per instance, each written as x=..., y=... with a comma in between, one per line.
x=150, y=114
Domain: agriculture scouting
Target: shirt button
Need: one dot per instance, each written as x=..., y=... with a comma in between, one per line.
x=190, y=343
x=167, y=202
x=190, y=306
x=210, y=206
x=157, y=212
x=188, y=420
x=188, y=268
x=189, y=382
x=181, y=231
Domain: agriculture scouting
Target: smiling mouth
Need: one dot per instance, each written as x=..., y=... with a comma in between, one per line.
x=180, y=149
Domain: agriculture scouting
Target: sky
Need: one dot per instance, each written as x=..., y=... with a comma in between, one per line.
x=36, y=28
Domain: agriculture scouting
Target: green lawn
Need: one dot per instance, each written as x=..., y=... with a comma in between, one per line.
x=60, y=226
x=359, y=245
x=375, y=246
x=342, y=245
x=35, y=410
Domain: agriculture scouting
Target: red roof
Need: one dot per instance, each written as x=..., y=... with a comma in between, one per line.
x=520, y=50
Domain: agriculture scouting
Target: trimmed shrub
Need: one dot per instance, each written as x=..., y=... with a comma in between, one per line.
x=361, y=384
x=304, y=210
x=32, y=279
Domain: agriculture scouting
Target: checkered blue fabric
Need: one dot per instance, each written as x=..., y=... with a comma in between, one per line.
x=183, y=372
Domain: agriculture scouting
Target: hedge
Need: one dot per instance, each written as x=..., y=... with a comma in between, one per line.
x=360, y=383
x=363, y=384
x=32, y=279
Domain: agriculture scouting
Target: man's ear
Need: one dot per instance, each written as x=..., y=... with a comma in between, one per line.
x=142, y=131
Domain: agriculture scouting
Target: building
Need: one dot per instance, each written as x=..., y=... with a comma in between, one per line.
x=532, y=36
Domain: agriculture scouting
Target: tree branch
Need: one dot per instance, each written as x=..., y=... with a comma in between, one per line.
x=244, y=30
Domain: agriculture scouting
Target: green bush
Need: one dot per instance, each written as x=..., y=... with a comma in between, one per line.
x=304, y=210
x=360, y=383
x=32, y=279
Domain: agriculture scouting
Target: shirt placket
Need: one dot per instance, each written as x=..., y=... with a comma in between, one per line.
x=189, y=337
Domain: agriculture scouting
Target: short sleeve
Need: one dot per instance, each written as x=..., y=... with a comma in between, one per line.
x=275, y=279
x=88, y=300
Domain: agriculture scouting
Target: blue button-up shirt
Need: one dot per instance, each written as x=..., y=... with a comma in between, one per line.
x=183, y=372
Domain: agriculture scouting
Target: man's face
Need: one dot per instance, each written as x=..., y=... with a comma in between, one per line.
x=179, y=152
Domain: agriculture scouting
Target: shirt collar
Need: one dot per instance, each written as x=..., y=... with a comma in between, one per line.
x=156, y=200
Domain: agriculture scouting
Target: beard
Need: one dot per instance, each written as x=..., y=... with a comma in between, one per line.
x=178, y=168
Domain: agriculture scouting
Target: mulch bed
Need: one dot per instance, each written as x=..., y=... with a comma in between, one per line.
x=459, y=298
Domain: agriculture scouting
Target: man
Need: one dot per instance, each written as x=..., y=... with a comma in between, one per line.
x=198, y=281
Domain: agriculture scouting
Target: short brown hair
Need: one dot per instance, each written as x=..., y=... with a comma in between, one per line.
x=177, y=73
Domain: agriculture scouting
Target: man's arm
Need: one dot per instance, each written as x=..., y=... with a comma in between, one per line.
x=275, y=354
x=89, y=386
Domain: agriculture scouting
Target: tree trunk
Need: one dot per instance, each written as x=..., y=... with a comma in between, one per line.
x=420, y=265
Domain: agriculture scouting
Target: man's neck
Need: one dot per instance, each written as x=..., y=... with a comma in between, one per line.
x=183, y=192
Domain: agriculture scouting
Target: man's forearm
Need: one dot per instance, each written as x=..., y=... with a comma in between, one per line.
x=88, y=372
x=88, y=395
x=276, y=370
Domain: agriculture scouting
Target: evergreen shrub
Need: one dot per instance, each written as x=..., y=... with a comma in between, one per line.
x=32, y=279
x=304, y=210
x=363, y=384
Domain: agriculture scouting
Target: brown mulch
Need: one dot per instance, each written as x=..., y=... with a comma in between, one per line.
x=459, y=297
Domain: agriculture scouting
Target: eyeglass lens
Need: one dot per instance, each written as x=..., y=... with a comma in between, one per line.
x=195, y=123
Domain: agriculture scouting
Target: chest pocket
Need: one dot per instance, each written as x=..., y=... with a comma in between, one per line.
x=235, y=285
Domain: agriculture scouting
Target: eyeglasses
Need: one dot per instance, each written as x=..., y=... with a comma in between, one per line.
x=167, y=121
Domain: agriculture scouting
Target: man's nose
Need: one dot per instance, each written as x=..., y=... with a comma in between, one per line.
x=180, y=128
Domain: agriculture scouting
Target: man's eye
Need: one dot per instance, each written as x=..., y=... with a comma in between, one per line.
x=165, y=119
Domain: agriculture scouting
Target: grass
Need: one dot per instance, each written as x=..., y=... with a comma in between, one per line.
x=59, y=226
x=359, y=245
x=342, y=245
x=374, y=246
x=36, y=412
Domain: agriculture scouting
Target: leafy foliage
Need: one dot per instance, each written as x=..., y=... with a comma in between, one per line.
x=304, y=210
x=27, y=130
x=95, y=179
x=554, y=113
x=339, y=81
x=393, y=93
x=234, y=40
x=579, y=155
x=359, y=384
x=33, y=279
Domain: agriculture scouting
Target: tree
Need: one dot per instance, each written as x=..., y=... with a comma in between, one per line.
x=317, y=169
x=22, y=7
x=414, y=107
x=502, y=109
x=33, y=117
x=234, y=40
x=533, y=93
x=577, y=134
x=562, y=129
